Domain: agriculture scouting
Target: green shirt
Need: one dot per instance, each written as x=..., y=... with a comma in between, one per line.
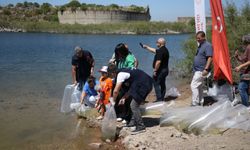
x=128, y=62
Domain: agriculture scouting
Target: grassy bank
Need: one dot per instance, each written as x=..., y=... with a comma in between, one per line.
x=116, y=28
x=34, y=17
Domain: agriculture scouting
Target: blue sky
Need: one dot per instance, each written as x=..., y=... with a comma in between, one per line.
x=160, y=10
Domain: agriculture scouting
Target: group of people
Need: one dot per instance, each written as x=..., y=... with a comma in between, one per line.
x=202, y=66
x=121, y=84
x=125, y=86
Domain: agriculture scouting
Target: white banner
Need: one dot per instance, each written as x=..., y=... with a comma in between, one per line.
x=200, y=16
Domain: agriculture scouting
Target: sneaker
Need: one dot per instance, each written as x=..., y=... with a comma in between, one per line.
x=193, y=105
x=130, y=125
x=119, y=119
x=132, y=128
x=99, y=118
x=138, y=130
x=248, y=108
x=124, y=122
x=235, y=102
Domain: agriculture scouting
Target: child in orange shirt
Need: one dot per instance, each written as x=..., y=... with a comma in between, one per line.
x=105, y=91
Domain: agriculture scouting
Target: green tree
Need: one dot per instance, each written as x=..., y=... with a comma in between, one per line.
x=62, y=8
x=38, y=12
x=136, y=8
x=6, y=12
x=114, y=6
x=25, y=4
x=10, y=6
x=84, y=7
x=46, y=7
x=246, y=11
x=74, y=4
x=36, y=5
x=232, y=14
x=19, y=5
x=192, y=23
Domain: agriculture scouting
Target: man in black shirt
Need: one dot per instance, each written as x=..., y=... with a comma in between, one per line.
x=82, y=66
x=160, y=67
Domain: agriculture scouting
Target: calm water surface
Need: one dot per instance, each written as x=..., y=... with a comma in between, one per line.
x=35, y=67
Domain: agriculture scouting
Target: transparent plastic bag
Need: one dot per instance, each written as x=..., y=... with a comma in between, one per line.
x=74, y=106
x=212, y=119
x=82, y=110
x=220, y=119
x=181, y=117
x=109, y=124
x=224, y=89
x=208, y=120
x=172, y=92
x=76, y=95
x=156, y=108
x=66, y=101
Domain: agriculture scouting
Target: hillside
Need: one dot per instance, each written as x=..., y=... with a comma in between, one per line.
x=35, y=17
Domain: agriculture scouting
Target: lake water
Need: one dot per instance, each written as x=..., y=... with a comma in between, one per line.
x=35, y=67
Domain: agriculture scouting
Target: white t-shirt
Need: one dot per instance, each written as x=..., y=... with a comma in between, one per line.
x=122, y=76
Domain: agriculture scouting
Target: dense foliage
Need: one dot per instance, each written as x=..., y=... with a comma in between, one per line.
x=29, y=11
x=74, y=5
x=105, y=28
x=33, y=17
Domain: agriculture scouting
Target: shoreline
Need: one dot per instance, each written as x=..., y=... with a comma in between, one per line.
x=162, y=138
x=170, y=32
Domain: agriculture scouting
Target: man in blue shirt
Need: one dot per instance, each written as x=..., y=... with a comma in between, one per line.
x=201, y=67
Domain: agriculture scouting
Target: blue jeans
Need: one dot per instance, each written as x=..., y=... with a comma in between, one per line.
x=159, y=84
x=243, y=89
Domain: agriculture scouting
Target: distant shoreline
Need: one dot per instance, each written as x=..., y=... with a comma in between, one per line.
x=128, y=28
x=94, y=33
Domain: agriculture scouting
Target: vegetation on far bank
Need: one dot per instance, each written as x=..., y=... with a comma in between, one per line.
x=34, y=17
x=237, y=25
x=74, y=5
x=105, y=28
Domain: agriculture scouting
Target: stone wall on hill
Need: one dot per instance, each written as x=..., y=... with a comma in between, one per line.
x=101, y=16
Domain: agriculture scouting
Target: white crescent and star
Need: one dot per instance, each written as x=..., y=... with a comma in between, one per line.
x=216, y=26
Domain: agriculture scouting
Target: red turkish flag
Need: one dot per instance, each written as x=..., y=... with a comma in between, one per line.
x=221, y=60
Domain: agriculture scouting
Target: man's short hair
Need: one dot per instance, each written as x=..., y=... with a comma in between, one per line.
x=202, y=33
x=162, y=41
x=246, y=39
x=78, y=49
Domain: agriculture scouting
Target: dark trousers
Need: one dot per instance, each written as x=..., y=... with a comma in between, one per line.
x=159, y=84
x=123, y=111
x=136, y=114
x=81, y=83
